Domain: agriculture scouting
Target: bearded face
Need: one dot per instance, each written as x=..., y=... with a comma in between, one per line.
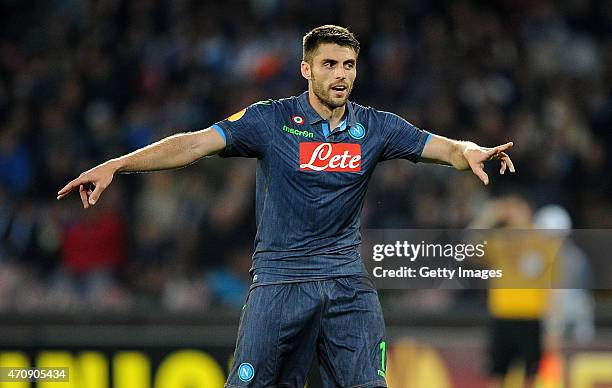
x=331, y=72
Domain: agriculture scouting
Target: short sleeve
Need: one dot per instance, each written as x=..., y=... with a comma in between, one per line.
x=245, y=132
x=402, y=139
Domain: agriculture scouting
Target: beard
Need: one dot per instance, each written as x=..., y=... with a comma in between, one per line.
x=325, y=94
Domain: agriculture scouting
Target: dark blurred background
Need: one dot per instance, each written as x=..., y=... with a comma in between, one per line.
x=84, y=81
x=168, y=253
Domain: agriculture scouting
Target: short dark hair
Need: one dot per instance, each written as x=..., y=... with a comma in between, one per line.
x=328, y=34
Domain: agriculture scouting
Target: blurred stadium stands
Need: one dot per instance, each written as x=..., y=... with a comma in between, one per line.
x=83, y=81
x=163, y=259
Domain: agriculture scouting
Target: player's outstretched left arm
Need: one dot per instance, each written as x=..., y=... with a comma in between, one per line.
x=464, y=155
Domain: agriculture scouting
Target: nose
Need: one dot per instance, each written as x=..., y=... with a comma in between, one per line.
x=340, y=73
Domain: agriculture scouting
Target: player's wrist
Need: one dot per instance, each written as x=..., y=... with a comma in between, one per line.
x=117, y=165
x=464, y=148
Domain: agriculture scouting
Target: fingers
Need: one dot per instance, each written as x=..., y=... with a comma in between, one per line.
x=93, y=197
x=69, y=187
x=508, y=161
x=88, y=197
x=502, y=169
x=503, y=147
x=499, y=149
x=498, y=153
x=478, y=170
x=83, y=195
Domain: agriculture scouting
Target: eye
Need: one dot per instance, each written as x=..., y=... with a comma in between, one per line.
x=328, y=65
x=349, y=65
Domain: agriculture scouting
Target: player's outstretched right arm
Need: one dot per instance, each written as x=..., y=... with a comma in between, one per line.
x=172, y=152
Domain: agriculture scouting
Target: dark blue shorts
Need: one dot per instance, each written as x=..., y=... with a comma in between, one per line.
x=283, y=326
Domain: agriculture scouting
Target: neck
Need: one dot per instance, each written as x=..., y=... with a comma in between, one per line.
x=333, y=115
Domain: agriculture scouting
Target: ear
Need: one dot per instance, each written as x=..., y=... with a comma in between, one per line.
x=305, y=68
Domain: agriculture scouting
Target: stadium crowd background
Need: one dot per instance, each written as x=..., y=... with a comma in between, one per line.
x=84, y=81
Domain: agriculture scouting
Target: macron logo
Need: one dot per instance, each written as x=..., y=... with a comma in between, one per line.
x=295, y=132
x=330, y=157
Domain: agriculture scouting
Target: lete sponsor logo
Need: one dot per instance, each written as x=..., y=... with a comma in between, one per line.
x=330, y=157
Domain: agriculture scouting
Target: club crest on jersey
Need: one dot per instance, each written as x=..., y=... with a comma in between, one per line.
x=357, y=131
x=246, y=372
x=299, y=120
x=344, y=157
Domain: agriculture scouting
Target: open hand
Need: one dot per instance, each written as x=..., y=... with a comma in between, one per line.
x=477, y=156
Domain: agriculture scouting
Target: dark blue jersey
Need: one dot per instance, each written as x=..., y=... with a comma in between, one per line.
x=311, y=181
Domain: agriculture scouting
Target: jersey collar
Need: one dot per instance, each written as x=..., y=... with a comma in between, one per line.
x=313, y=117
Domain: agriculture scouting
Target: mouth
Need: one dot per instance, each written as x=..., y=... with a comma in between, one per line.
x=339, y=91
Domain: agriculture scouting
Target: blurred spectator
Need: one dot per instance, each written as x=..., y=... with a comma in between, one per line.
x=94, y=249
x=230, y=284
x=571, y=317
x=94, y=243
x=16, y=166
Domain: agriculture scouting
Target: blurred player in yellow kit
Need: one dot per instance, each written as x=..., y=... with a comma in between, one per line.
x=519, y=300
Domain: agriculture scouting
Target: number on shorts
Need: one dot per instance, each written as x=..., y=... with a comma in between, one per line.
x=383, y=355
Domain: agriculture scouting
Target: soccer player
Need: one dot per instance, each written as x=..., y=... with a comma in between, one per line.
x=315, y=156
